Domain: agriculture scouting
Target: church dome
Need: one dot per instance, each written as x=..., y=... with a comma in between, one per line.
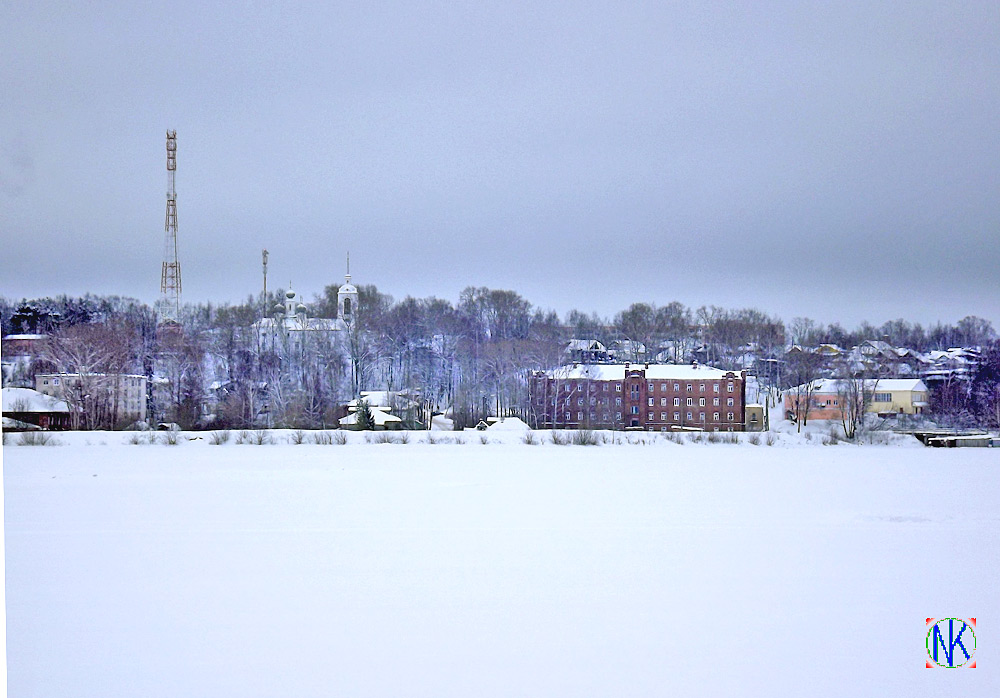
x=289, y=294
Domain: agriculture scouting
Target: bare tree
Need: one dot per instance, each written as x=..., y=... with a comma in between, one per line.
x=855, y=394
x=803, y=371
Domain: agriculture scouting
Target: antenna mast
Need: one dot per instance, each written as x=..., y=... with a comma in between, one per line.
x=264, y=260
x=170, y=276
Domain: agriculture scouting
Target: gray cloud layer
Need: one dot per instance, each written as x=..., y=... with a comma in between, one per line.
x=835, y=161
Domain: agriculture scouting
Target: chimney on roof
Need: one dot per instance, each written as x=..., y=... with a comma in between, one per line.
x=694, y=363
x=647, y=364
x=627, y=364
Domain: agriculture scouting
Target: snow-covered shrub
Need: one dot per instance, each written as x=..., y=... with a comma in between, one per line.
x=404, y=437
x=483, y=439
x=771, y=438
x=584, y=437
x=833, y=436
x=754, y=439
x=529, y=438
x=460, y=439
x=259, y=437
x=297, y=437
x=340, y=438
x=322, y=438
x=560, y=439
x=217, y=438
x=170, y=438
x=381, y=437
x=714, y=437
x=243, y=437
x=880, y=438
x=36, y=438
x=430, y=438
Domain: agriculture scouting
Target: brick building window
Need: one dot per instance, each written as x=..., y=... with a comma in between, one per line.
x=729, y=416
x=677, y=416
x=715, y=388
x=701, y=402
x=716, y=416
x=677, y=402
x=663, y=416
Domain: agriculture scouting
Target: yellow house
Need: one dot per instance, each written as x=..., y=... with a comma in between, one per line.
x=887, y=396
x=755, y=418
x=898, y=396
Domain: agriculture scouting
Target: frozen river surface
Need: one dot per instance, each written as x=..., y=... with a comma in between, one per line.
x=496, y=570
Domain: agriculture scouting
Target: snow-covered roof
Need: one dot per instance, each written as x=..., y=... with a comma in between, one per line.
x=584, y=345
x=629, y=345
x=24, y=337
x=28, y=400
x=9, y=423
x=380, y=399
x=378, y=416
x=612, y=372
x=887, y=385
x=88, y=375
x=293, y=323
x=509, y=424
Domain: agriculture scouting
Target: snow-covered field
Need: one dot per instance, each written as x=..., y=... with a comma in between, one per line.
x=498, y=569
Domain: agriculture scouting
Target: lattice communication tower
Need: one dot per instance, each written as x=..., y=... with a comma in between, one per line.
x=170, y=276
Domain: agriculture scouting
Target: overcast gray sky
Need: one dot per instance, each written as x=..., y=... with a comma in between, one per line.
x=833, y=160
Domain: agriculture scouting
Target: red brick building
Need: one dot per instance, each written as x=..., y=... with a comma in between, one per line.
x=650, y=397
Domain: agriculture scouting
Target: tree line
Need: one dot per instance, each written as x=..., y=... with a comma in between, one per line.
x=472, y=356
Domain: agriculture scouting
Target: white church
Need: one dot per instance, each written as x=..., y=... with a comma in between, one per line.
x=290, y=322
